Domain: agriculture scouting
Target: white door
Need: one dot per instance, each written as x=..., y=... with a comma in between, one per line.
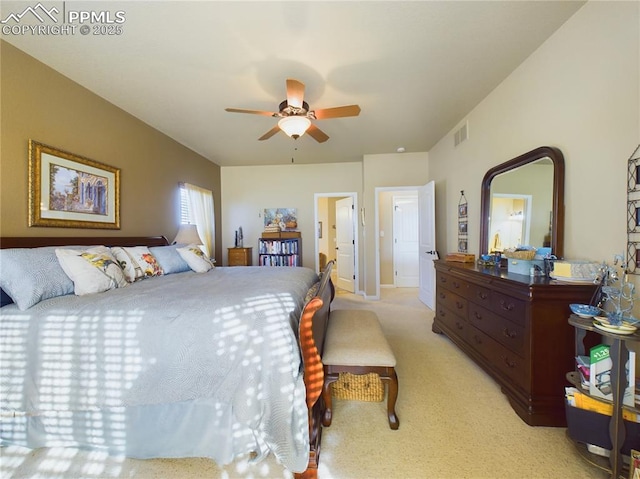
x=345, y=245
x=405, y=241
x=427, y=250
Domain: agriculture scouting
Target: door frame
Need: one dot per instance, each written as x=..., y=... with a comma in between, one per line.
x=356, y=256
x=376, y=214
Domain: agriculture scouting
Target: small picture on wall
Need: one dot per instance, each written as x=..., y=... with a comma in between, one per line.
x=633, y=216
x=462, y=227
x=462, y=246
x=633, y=175
x=285, y=218
x=462, y=210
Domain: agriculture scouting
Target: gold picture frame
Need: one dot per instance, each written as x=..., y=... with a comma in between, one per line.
x=70, y=191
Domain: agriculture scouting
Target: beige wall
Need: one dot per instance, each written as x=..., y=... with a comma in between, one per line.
x=40, y=104
x=248, y=190
x=580, y=92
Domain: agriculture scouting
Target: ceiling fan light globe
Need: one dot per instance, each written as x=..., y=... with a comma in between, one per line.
x=294, y=126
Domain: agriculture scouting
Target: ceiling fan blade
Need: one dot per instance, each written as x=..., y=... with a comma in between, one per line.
x=270, y=133
x=253, y=112
x=317, y=134
x=295, y=93
x=337, y=112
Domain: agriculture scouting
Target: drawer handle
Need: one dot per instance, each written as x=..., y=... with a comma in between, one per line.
x=509, y=363
x=459, y=325
x=505, y=306
x=442, y=295
x=477, y=339
x=509, y=334
x=443, y=279
x=482, y=295
x=477, y=315
x=456, y=284
x=442, y=314
x=459, y=305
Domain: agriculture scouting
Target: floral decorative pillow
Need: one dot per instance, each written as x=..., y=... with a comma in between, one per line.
x=197, y=260
x=137, y=262
x=93, y=270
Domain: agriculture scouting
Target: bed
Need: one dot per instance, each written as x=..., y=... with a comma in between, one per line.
x=216, y=364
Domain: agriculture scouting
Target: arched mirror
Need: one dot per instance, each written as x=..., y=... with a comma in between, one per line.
x=522, y=203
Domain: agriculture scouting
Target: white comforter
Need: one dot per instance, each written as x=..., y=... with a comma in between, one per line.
x=227, y=337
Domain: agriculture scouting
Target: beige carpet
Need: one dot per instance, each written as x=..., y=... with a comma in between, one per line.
x=454, y=423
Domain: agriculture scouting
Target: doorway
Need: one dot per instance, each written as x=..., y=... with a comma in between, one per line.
x=425, y=252
x=396, y=229
x=336, y=237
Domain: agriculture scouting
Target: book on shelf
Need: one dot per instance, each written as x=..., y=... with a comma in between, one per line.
x=600, y=374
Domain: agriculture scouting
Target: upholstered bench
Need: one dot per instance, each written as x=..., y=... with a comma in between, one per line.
x=356, y=344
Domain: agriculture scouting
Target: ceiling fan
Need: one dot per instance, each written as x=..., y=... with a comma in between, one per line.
x=295, y=115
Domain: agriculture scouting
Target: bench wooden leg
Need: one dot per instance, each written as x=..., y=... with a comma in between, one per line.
x=329, y=378
x=391, y=378
x=387, y=375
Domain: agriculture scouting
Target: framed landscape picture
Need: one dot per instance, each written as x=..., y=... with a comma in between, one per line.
x=69, y=191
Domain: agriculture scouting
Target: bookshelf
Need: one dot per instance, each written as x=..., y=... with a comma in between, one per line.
x=280, y=249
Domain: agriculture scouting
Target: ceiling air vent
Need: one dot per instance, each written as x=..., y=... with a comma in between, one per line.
x=461, y=134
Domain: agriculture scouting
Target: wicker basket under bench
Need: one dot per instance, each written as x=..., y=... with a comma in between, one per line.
x=355, y=344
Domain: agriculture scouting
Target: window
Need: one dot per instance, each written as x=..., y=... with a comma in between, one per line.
x=196, y=207
x=185, y=217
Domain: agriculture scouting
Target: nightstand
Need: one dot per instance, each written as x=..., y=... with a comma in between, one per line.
x=240, y=256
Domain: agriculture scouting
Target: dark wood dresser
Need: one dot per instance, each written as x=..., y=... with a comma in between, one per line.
x=516, y=328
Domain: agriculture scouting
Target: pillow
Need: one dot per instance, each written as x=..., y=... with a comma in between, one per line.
x=313, y=290
x=93, y=270
x=137, y=262
x=169, y=259
x=195, y=258
x=30, y=275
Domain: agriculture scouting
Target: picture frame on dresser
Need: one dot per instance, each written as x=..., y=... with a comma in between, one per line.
x=70, y=191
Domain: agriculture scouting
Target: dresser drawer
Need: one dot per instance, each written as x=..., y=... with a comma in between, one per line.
x=509, y=307
x=457, y=285
x=506, y=332
x=452, y=322
x=509, y=364
x=480, y=295
x=452, y=301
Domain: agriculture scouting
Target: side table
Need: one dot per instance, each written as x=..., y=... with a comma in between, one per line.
x=240, y=256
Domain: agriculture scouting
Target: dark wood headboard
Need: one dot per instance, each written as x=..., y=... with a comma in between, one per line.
x=35, y=242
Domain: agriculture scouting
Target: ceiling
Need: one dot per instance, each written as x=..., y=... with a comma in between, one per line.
x=415, y=68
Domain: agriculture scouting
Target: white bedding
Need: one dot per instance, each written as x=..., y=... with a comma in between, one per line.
x=180, y=365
